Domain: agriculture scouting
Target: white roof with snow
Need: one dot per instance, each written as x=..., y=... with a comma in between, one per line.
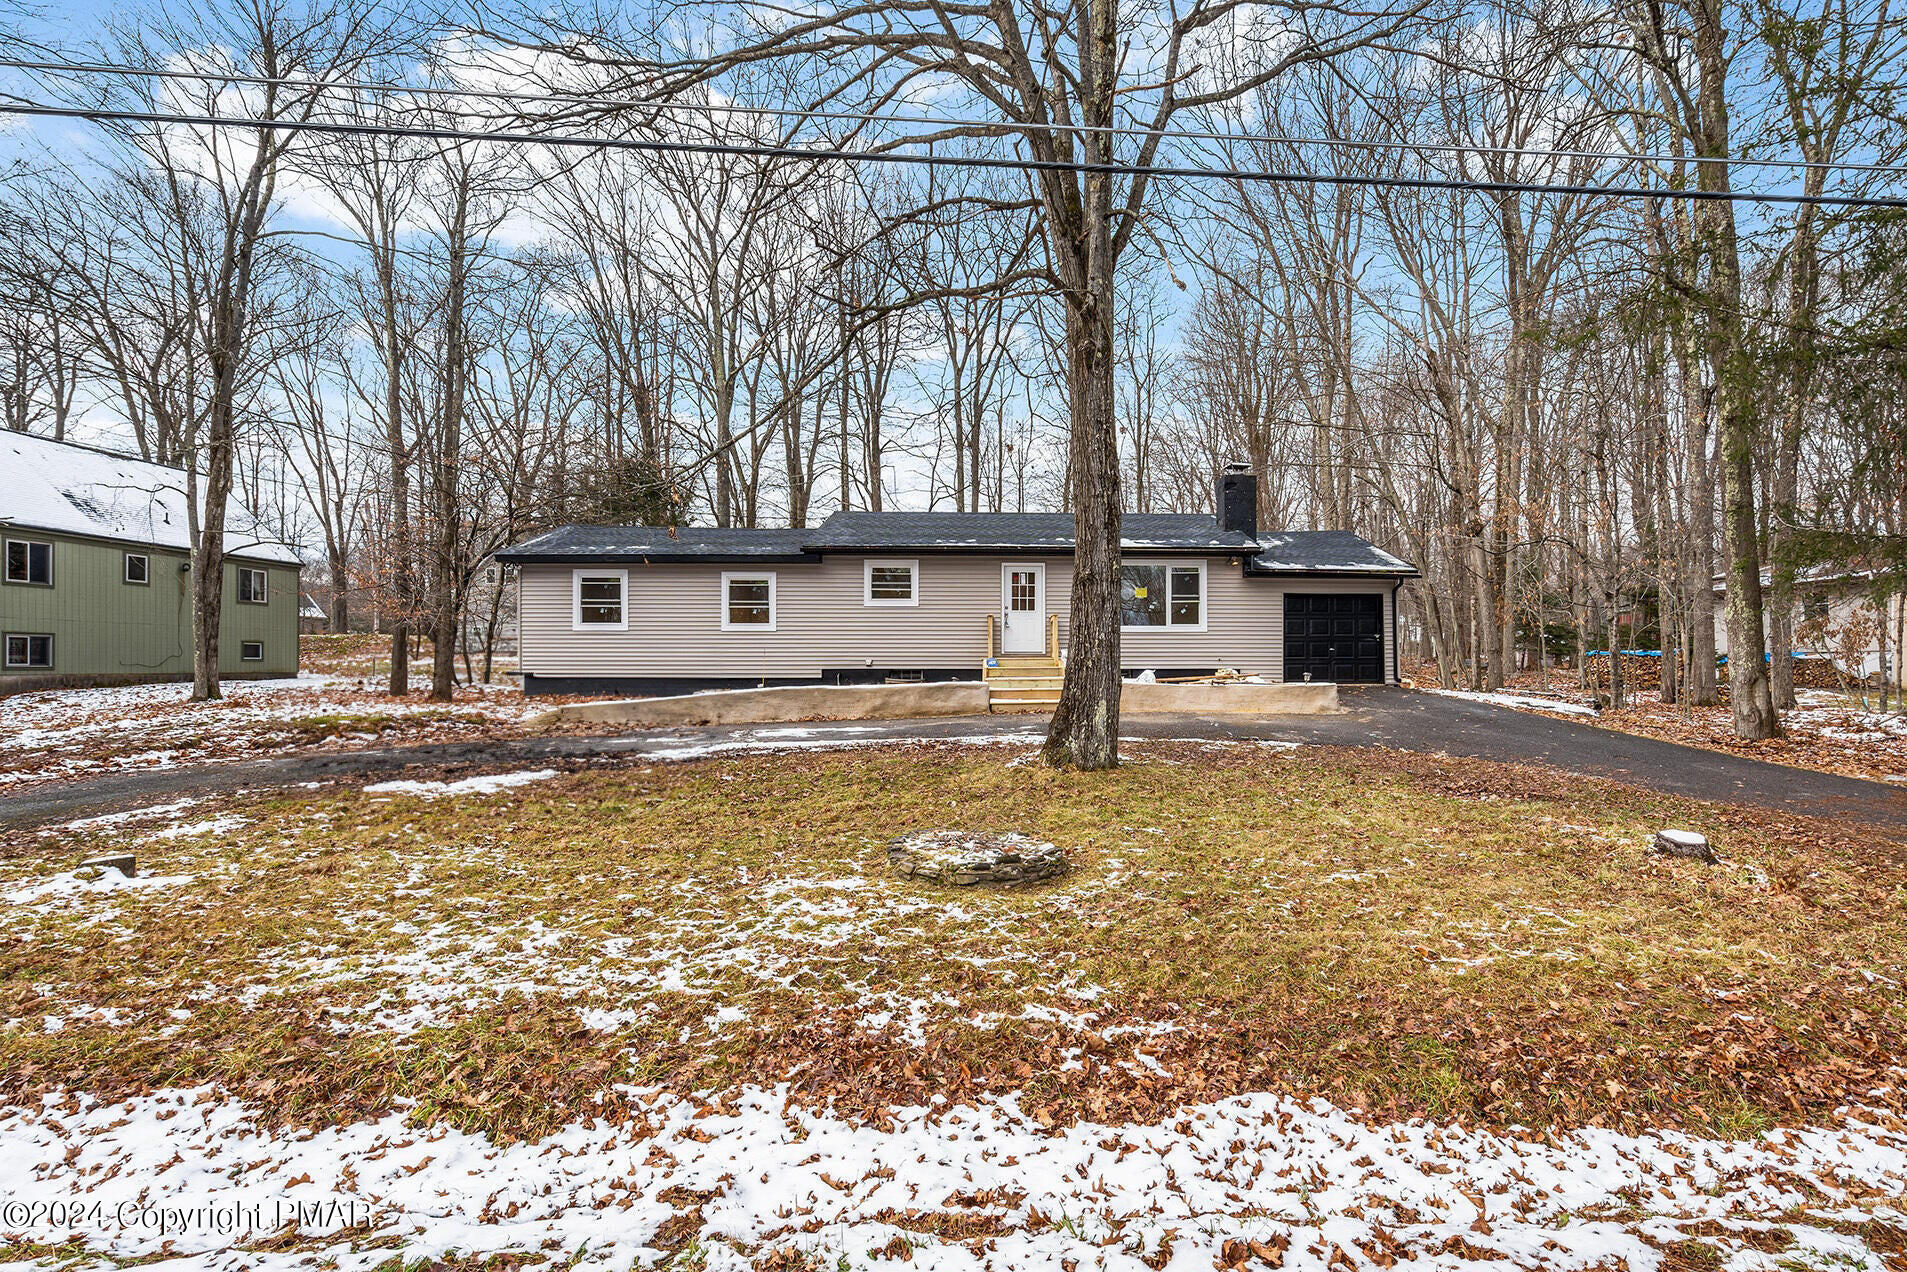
x=70, y=489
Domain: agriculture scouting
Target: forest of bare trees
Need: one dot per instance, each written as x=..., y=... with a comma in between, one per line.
x=1576, y=407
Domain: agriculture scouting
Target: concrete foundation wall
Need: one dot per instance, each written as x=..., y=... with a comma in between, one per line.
x=795, y=702
x=1293, y=698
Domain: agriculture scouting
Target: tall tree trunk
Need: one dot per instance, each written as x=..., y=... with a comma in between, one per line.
x=402, y=585
x=340, y=593
x=1085, y=728
x=1748, y=696
x=1803, y=286
x=446, y=592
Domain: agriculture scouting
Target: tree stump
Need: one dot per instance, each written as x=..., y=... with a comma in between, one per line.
x=1685, y=844
x=966, y=859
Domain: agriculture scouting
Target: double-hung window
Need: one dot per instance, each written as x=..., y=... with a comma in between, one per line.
x=748, y=602
x=251, y=587
x=601, y=601
x=25, y=650
x=29, y=561
x=1166, y=594
x=892, y=583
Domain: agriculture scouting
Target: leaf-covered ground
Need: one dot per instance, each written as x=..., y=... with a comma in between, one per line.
x=1401, y=934
x=338, y=701
x=680, y=1012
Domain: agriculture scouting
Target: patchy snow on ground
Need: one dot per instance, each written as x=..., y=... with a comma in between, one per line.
x=63, y=733
x=1524, y=702
x=1845, y=724
x=152, y=812
x=224, y=824
x=1256, y=1181
x=92, y=881
x=489, y=784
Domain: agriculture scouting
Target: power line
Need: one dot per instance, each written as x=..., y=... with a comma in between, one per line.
x=1008, y=126
x=808, y=155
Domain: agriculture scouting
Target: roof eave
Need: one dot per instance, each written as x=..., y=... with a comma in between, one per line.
x=1024, y=549
x=1334, y=571
x=511, y=556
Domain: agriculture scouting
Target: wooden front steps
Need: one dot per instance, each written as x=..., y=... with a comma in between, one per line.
x=1023, y=682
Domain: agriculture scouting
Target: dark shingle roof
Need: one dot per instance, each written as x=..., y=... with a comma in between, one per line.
x=1323, y=552
x=1300, y=551
x=1015, y=531
x=656, y=543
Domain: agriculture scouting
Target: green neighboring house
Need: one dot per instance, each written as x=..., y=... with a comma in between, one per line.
x=95, y=589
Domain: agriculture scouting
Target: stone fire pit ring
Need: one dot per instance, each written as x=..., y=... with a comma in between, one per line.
x=975, y=858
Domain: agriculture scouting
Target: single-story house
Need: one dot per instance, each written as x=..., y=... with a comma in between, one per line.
x=312, y=620
x=1837, y=618
x=868, y=597
x=95, y=588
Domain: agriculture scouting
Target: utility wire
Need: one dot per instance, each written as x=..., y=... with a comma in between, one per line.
x=1186, y=134
x=943, y=161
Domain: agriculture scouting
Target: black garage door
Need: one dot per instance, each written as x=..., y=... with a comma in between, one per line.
x=1334, y=637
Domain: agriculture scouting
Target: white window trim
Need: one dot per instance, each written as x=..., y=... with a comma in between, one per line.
x=6, y=555
x=261, y=595
x=1204, y=598
x=28, y=663
x=867, y=580
x=774, y=613
x=576, y=623
x=126, y=567
x=245, y=657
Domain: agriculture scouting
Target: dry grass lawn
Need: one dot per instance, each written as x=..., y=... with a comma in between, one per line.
x=1405, y=935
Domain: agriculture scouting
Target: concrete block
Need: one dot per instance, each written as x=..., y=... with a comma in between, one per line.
x=1295, y=698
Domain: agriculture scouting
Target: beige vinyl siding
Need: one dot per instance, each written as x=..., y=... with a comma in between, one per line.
x=822, y=624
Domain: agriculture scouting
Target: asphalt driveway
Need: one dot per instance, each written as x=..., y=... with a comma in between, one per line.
x=1373, y=716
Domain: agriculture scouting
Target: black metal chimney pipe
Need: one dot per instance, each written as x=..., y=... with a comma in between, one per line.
x=1238, y=499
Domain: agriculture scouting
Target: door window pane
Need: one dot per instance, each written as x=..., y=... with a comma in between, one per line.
x=1024, y=591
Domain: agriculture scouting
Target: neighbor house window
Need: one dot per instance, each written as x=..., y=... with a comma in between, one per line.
x=601, y=600
x=893, y=583
x=29, y=562
x=1162, y=595
x=251, y=587
x=251, y=651
x=29, y=651
x=748, y=602
x=138, y=568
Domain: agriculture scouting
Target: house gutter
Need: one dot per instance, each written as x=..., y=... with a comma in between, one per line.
x=582, y=559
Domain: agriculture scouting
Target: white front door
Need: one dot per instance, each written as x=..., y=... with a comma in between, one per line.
x=1023, y=606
